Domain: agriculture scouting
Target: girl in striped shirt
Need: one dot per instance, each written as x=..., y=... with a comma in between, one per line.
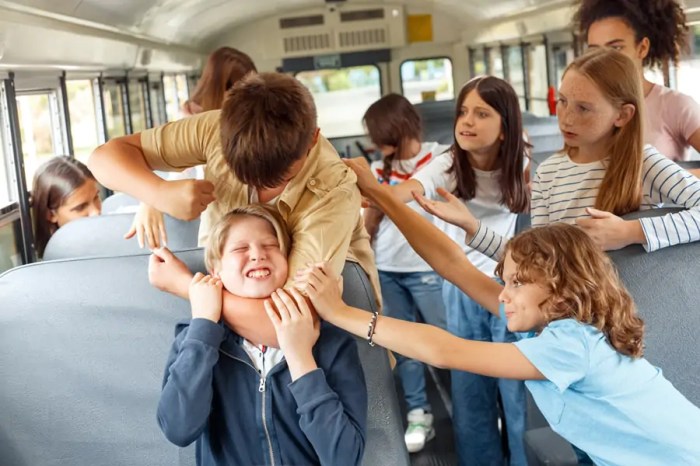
x=604, y=170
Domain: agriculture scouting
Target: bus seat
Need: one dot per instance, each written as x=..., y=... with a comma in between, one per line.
x=117, y=201
x=690, y=164
x=522, y=222
x=82, y=355
x=545, y=137
x=664, y=287
x=438, y=120
x=103, y=236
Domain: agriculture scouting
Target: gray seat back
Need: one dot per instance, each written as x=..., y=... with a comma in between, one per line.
x=438, y=120
x=665, y=288
x=82, y=352
x=117, y=201
x=103, y=236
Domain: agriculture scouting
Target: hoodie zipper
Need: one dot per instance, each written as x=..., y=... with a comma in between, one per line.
x=261, y=389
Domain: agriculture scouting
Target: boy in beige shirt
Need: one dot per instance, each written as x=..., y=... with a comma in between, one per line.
x=262, y=146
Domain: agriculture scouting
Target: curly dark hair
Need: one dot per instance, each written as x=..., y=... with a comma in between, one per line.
x=662, y=21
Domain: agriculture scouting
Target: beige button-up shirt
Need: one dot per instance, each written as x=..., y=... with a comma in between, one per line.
x=320, y=205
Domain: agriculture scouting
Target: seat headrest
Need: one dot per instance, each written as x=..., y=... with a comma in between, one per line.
x=82, y=355
x=103, y=236
x=664, y=287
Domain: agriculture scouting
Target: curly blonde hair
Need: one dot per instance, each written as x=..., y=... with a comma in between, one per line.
x=582, y=282
x=219, y=233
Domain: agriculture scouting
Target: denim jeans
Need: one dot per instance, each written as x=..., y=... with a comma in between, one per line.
x=406, y=294
x=474, y=397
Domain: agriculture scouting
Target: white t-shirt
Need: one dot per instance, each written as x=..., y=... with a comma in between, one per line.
x=392, y=251
x=486, y=206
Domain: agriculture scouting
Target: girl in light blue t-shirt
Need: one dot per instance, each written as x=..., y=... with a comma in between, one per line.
x=581, y=350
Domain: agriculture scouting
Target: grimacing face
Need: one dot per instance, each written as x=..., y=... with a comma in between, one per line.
x=252, y=264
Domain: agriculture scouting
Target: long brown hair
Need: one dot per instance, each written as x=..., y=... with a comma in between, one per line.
x=582, y=282
x=54, y=181
x=618, y=80
x=511, y=153
x=224, y=68
x=392, y=121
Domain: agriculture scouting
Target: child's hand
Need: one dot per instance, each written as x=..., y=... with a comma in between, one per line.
x=365, y=178
x=453, y=211
x=206, y=297
x=297, y=330
x=185, y=199
x=149, y=227
x=168, y=273
x=322, y=287
x=609, y=231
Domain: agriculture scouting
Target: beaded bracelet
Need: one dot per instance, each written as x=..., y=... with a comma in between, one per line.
x=372, y=327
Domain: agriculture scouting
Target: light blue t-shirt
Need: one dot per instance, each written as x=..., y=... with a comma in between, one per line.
x=618, y=409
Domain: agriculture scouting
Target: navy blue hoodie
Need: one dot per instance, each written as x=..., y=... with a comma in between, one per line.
x=212, y=394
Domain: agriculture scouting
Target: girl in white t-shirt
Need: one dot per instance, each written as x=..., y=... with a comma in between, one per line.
x=409, y=285
x=484, y=169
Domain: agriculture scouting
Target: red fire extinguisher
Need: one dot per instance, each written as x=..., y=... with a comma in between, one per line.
x=552, y=101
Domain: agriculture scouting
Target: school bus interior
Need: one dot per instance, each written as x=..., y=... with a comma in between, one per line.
x=84, y=336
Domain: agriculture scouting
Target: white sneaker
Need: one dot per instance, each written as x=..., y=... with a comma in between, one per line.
x=420, y=430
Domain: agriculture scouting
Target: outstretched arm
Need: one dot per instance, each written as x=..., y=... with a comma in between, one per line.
x=444, y=255
x=417, y=341
x=403, y=191
x=124, y=164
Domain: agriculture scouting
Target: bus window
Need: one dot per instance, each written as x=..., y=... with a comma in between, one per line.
x=9, y=232
x=114, y=109
x=172, y=100
x=137, y=106
x=537, y=79
x=355, y=87
x=688, y=73
x=562, y=55
x=39, y=128
x=183, y=92
x=516, y=77
x=155, y=89
x=83, y=120
x=8, y=191
x=477, y=62
x=428, y=79
x=495, y=62
x=6, y=181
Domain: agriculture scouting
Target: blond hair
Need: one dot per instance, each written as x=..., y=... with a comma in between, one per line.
x=618, y=79
x=582, y=283
x=219, y=233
